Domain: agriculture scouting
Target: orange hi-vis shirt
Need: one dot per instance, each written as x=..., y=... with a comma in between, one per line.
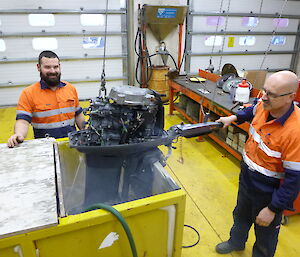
x=51, y=113
x=272, y=155
x=273, y=146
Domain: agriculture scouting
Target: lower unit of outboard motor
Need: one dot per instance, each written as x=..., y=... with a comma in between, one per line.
x=121, y=142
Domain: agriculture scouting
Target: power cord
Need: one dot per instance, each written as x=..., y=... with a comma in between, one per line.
x=198, y=235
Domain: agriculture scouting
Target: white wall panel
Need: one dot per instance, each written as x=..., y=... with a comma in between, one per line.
x=67, y=46
x=10, y=96
x=273, y=7
x=249, y=62
x=55, y=4
x=246, y=6
x=19, y=23
x=91, y=90
x=20, y=73
x=261, y=44
x=235, y=24
x=15, y=28
x=90, y=69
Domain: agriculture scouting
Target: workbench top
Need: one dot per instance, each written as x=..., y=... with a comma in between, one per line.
x=210, y=91
x=27, y=187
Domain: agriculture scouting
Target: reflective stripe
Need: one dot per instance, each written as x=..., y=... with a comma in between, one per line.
x=254, y=110
x=291, y=165
x=262, y=145
x=23, y=112
x=60, y=124
x=255, y=167
x=77, y=108
x=53, y=112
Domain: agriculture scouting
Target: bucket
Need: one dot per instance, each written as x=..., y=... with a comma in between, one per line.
x=159, y=81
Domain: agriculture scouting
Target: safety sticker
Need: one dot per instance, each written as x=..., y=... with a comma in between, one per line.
x=166, y=13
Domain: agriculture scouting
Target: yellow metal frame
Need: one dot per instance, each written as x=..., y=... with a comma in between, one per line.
x=75, y=235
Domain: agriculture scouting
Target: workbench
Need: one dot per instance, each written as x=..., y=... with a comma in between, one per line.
x=209, y=96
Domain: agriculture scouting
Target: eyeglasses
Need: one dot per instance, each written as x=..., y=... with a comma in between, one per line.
x=273, y=95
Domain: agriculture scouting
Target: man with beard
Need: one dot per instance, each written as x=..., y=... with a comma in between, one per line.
x=50, y=105
x=269, y=181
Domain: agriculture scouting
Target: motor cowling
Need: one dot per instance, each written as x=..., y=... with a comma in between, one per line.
x=128, y=115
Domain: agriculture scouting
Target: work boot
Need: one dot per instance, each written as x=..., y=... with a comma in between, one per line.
x=226, y=247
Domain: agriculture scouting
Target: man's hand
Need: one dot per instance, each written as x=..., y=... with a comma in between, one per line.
x=15, y=140
x=265, y=217
x=227, y=120
x=21, y=129
x=80, y=121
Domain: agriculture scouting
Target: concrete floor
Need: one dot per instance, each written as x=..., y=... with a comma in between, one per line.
x=209, y=176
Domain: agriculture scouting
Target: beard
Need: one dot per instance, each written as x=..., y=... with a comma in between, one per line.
x=52, y=79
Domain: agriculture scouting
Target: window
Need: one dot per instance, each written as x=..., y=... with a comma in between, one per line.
x=122, y=3
x=213, y=40
x=247, y=41
x=93, y=42
x=92, y=19
x=42, y=20
x=44, y=43
x=280, y=23
x=2, y=45
x=278, y=40
x=215, y=20
x=250, y=21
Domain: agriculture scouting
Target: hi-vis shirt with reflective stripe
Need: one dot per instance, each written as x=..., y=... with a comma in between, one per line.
x=46, y=114
x=274, y=145
x=49, y=110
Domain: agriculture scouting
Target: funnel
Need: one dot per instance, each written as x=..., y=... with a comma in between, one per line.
x=163, y=19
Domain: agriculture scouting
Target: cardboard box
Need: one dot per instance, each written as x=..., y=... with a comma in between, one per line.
x=228, y=141
x=256, y=78
x=235, y=138
x=234, y=145
x=242, y=137
x=230, y=135
x=241, y=144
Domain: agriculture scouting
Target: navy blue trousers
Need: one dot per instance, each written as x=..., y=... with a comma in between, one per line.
x=249, y=204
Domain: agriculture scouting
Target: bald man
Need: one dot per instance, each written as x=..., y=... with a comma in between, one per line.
x=270, y=170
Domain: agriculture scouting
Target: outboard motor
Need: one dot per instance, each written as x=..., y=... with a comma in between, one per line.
x=128, y=115
x=120, y=143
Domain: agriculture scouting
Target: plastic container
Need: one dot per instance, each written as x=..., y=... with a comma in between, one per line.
x=242, y=92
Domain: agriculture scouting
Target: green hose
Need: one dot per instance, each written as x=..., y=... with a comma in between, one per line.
x=122, y=221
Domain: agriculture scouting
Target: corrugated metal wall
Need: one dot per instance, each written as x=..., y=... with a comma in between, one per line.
x=231, y=29
x=80, y=66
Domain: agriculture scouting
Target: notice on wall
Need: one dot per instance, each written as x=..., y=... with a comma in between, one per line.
x=230, y=41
